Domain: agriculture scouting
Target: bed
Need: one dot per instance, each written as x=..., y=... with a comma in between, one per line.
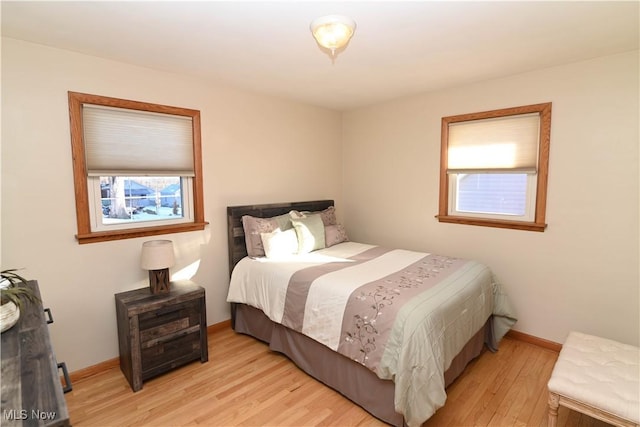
x=389, y=329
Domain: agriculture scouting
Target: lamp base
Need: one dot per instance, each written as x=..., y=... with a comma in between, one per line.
x=159, y=281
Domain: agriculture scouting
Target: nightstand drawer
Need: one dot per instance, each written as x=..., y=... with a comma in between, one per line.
x=166, y=355
x=168, y=320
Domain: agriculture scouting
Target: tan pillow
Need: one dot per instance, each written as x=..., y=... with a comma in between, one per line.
x=334, y=234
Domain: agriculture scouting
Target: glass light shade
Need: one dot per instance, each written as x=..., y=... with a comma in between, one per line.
x=333, y=31
x=157, y=254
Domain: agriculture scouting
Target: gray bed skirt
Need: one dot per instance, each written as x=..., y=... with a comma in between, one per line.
x=354, y=381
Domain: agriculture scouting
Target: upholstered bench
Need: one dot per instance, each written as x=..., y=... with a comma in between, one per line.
x=598, y=377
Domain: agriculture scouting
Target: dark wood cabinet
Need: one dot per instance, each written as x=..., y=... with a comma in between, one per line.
x=159, y=332
x=32, y=393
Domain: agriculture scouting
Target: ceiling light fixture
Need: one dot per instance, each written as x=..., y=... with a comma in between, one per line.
x=333, y=31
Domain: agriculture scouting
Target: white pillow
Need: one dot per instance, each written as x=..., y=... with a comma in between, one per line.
x=280, y=243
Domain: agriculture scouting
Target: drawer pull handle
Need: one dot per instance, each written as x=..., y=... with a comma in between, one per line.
x=49, y=316
x=67, y=381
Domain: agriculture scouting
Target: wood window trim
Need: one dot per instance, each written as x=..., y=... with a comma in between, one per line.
x=85, y=235
x=539, y=222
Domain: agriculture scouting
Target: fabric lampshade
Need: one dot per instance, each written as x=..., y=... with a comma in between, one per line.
x=157, y=254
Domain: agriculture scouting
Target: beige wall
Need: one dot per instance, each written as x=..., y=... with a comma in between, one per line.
x=256, y=149
x=582, y=272
x=379, y=163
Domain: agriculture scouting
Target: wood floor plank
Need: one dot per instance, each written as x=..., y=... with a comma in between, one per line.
x=517, y=394
x=506, y=362
x=537, y=404
x=246, y=384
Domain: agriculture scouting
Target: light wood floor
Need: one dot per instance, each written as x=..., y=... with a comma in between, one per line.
x=245, y=384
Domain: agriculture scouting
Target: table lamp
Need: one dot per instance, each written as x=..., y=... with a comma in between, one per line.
x=157, y=257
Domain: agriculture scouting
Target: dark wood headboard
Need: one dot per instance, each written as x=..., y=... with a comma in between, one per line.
x=235, y=232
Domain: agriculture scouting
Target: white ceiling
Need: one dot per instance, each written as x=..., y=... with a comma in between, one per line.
x=399, y=47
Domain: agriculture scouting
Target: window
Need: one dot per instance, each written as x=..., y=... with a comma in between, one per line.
x=494, y=168
x=139, y=201
x=137, y=168
x=492, y=194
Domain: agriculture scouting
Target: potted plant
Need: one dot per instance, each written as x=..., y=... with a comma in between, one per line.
x=13, y=295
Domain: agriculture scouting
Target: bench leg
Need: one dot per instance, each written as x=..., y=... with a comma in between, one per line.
x=554, y=401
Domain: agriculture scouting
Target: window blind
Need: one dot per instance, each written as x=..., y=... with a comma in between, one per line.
x=504, y=144
x=121, y=141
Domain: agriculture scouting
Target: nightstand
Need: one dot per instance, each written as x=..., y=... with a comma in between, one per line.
x=159, y=332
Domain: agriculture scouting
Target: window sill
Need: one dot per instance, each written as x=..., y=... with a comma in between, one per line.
x=104, y=236
x=514, y=225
